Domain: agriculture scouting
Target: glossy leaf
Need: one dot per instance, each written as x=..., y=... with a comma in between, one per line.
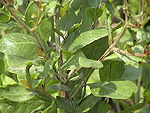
x=87, y=38
x=20, y=45
x=87, y=104
x=18, y=65
x=65, y=104
x=16, y=93
x=113, y=89
x=87, y=63
x=94, y=13
x=6, y=80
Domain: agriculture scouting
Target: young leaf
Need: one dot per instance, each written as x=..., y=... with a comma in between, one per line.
x=87, y=63
x=113, y=89
x=88, y=37
x=16, y=93
x=20, y=45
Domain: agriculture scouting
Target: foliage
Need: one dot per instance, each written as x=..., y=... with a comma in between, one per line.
x=74, y=56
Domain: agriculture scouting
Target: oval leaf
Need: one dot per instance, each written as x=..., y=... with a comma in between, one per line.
x=87, y=63
x=20, y=45
x=87, y=38
x=16, y=93
x=113, y=89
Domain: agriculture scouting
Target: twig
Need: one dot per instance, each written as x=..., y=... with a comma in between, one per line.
x=113, y=44
x=127, y=53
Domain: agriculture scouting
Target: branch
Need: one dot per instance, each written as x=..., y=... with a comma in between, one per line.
x=127, y=53
x=113, y=44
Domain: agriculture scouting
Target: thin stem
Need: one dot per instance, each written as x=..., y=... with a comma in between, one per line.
x=83, y=83
x=127, y=53
x=113, y=44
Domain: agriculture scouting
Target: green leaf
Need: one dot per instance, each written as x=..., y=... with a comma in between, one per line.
x=147, y=94
x=73, y=62
x=31, y=14
x=19, y=45
x=94, y=13
x=19, y=2
x=96, y=49
x=35, y=104
x=4, y=15
x=6, y=80
x=51, y=109
x=65, y=104
x=130, y=60
x=68, y=20
x=87, y=104
x=44, y=29
x=58, y=87
x=113, y=89
x=87, y=63
x=112, y=70
x=133, y=108
x=50, y=8
x=103, y=107
x=131, y=73
x=16, y=93
x=2, y=66
x=94, y=3
x=87, y=38
x=113, y=10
